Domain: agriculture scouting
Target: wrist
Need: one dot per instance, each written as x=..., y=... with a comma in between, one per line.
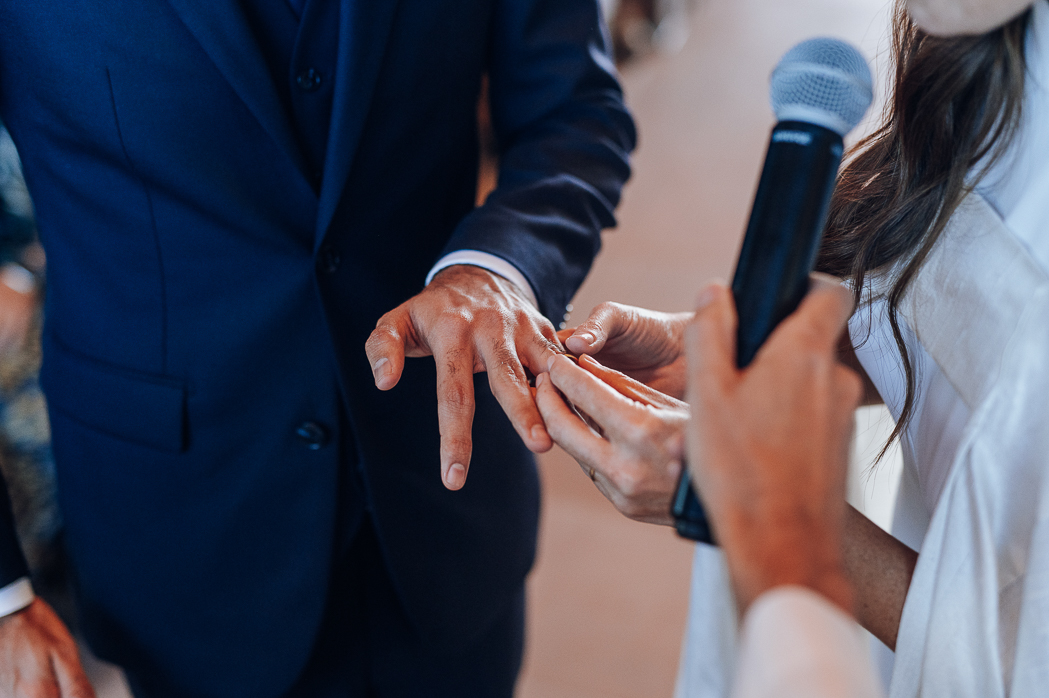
x=488, y=262
x=778, y=556
x=460, y=277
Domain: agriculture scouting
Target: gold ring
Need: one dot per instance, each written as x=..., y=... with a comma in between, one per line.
x=591, y=474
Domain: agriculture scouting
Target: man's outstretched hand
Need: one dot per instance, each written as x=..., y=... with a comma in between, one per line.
x=470, y=320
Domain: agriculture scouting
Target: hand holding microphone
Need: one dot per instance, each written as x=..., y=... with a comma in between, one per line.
x=820, y=91
x=769, y=444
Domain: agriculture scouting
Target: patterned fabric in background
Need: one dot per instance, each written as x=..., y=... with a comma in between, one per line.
x=25, y=435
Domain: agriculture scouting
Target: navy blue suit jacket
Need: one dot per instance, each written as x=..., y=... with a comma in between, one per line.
x=194, y=318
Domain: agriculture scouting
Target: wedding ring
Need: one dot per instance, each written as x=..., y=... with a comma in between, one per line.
x=591, y=474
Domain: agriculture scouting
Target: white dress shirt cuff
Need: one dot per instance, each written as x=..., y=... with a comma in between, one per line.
x=797, y=644
x=16, y=596
x=496, y=265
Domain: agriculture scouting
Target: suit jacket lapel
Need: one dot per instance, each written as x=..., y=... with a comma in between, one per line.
x=222, y=30
x=364, y=27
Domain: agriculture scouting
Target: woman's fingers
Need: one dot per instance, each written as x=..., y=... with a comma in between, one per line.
x=627, y=386
x=606, y=321
x=567, y=429
x=601, y=402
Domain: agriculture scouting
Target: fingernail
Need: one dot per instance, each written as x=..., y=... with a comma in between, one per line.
x=456, y=477
x=550, y=361
x=381, y=372
x=538, y=433
x=540, y=379
x=586, y=337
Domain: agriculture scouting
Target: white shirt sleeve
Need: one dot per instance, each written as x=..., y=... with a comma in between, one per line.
x=796, y=644
x=496, y=265
x=16, y=596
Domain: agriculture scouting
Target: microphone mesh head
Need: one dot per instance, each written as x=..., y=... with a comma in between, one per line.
x=822, y=81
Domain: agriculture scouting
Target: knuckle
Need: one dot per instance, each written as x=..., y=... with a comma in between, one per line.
x=456, y=445
x=384, y=321
x=453, y=358
x=555, y=428
x=505, y=356
x=455, y=399
x=642, y=428
x=547, y=337
x=388, y=322
x=454, y=326
x=380, y=335
x=634, y=432
x=627, y=483
x=523, y=315
x=506, y=365
x=460, y=319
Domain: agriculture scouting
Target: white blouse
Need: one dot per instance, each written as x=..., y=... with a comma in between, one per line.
x=974, y=495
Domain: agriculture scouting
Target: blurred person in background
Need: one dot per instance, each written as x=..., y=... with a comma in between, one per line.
x=640, y=27
x=25, y=445
x=938, y=223
x=253, y=212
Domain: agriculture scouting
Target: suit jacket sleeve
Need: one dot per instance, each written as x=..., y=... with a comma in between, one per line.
x=564, y=139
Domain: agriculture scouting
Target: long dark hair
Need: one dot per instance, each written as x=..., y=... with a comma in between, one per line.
x=955, y=106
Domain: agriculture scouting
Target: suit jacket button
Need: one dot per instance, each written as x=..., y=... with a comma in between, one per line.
x=314, y=435
x=308, y=80
x=329, y=259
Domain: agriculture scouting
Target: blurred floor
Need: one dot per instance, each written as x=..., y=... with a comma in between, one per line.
x=609, y=596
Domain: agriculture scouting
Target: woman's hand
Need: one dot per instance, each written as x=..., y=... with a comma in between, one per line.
x=633, y=451
x=646, y=345
x=768, y=445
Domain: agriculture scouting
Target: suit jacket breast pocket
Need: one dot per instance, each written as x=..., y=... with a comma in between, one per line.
x=136, y=407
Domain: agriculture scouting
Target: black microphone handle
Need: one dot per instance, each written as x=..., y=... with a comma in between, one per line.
x=779, y=252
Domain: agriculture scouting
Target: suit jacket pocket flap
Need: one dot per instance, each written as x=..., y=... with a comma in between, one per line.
x=142, y=408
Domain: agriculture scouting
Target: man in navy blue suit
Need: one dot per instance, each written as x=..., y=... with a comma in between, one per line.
x=236, y=198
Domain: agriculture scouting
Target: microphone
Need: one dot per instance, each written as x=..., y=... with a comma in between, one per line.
x=819, y=91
